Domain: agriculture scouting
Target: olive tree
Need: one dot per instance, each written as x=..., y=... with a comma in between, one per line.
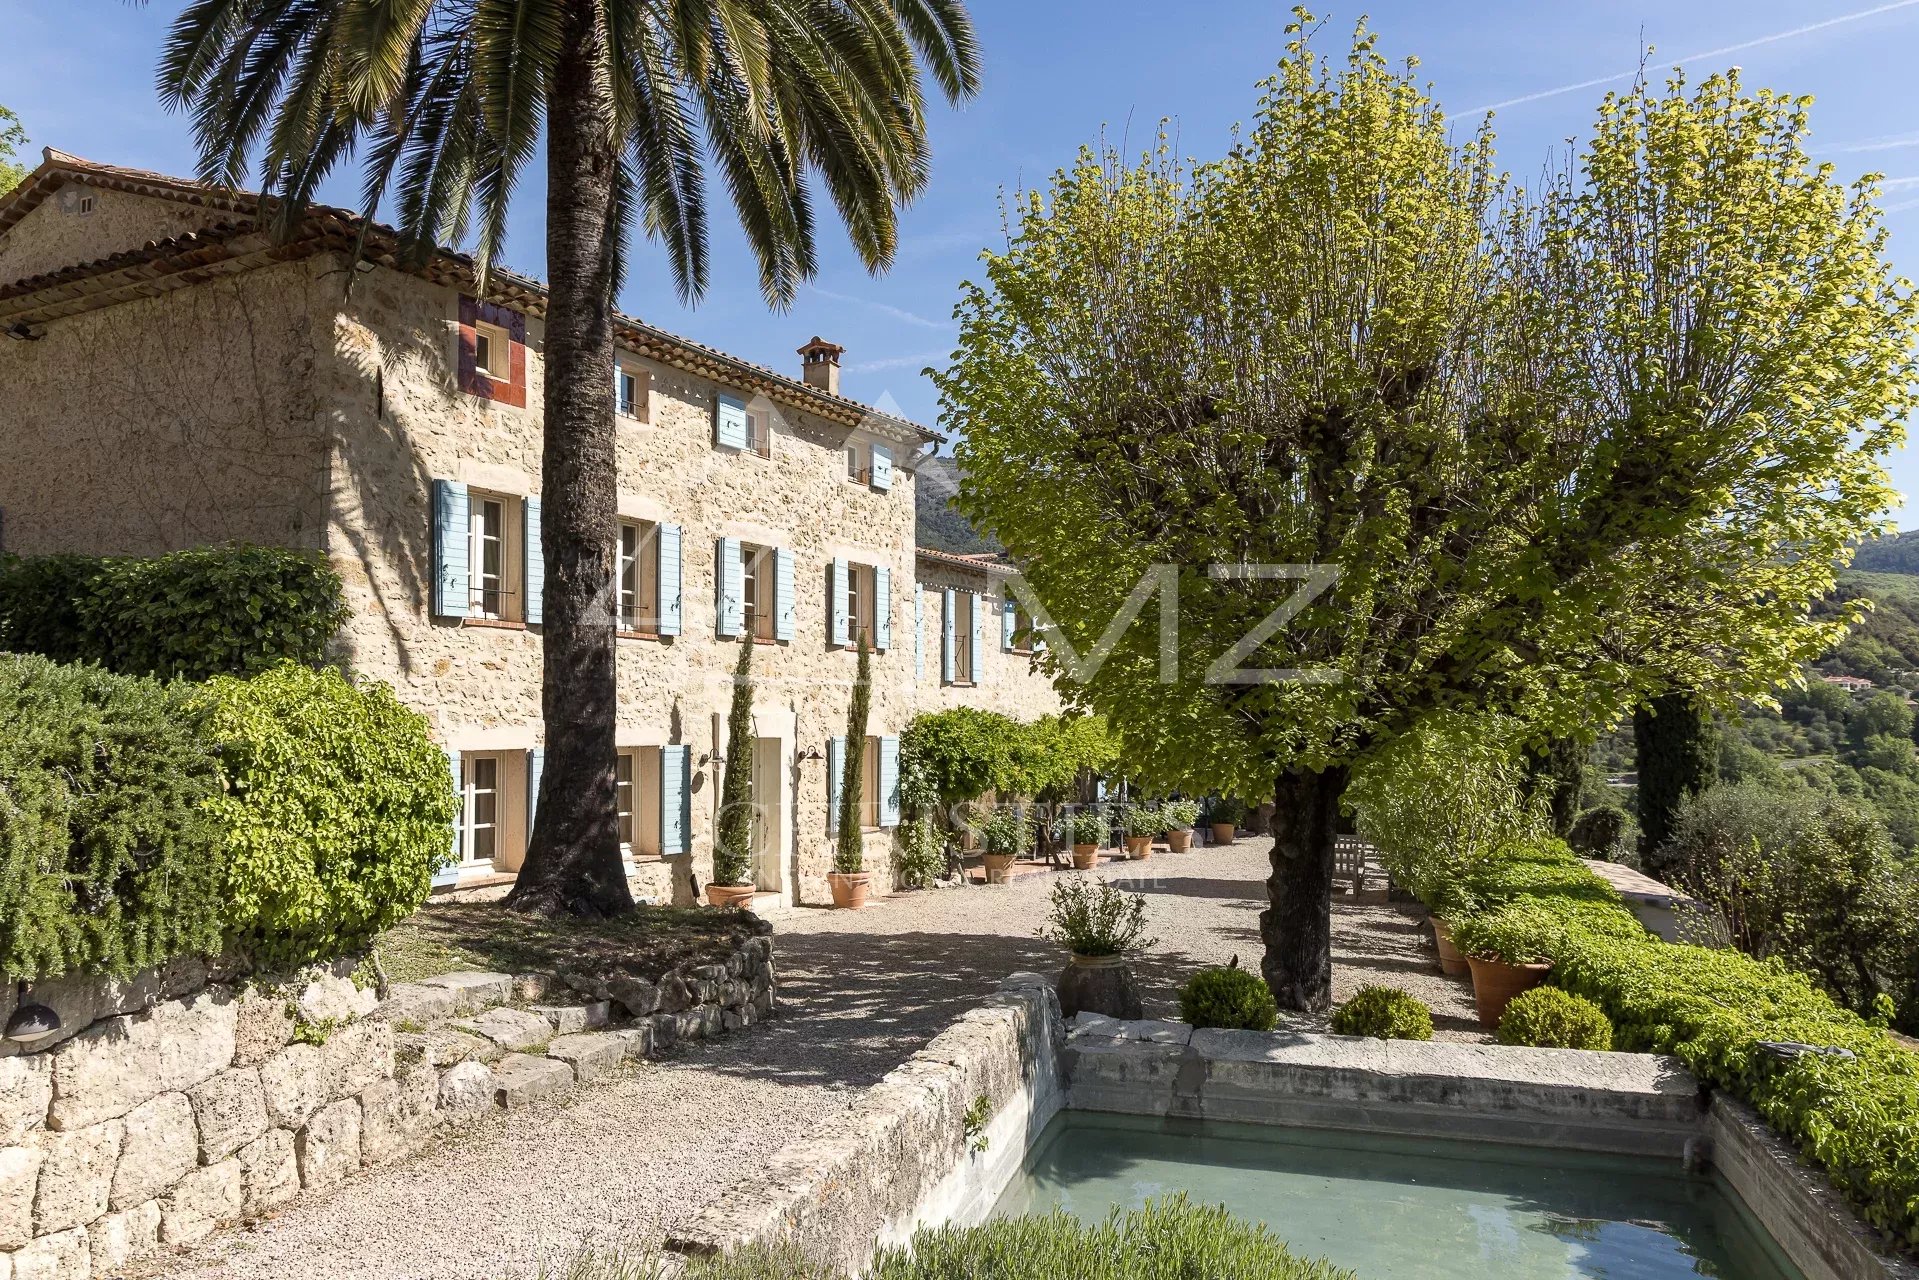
x=1388, y=437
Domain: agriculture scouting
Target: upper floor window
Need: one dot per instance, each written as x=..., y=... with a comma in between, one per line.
x=639, y=598
x=858, y=469
x=626, y=393
x=862, y=603
x=757, y=582
x=963, y=606
x=492, y=352
x=493, y=553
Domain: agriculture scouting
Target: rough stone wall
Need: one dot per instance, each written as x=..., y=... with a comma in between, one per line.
x=399, y=422
x=157, y=1122
x=1008, y=682
x=167, y=422
x=56, y=235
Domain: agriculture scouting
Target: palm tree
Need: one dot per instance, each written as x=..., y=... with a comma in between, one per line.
x=446, y=100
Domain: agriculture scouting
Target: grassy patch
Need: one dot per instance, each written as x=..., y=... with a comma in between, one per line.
x=449, y=937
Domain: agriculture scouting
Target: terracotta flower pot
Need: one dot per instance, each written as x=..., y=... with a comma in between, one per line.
x=1179, y=839
x=1451, y=962
x=1085, y=857
x=849, y=888
x=1099, y=984
x=1139, y=848
x=998, y=867
x=729, y=895
x=1495, y=983
x=1224, y=832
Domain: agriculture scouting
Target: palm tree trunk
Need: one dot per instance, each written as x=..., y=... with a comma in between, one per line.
x=573, y=860
x=1297, y=925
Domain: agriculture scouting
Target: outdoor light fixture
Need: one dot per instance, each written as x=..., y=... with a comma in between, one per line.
x=31, y=1023
x=807, y=756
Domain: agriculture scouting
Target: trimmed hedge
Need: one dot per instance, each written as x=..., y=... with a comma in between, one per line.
x=336, y=814
x=1233, y=999
x=109, y=860
x=228, y=610
x=1384, y=1013
x=1548, y=1018
x=1857, y=1119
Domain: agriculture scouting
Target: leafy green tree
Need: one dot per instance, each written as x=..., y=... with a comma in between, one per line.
x=447, y=101
x=733, y=833
x=1677, y=748
x=12, y=138
x=1881, y=715
x=849, y=850
x=1565, y=454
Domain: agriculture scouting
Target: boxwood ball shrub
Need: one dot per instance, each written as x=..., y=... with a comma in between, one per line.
x=109, y=858
x=338, y=809
x=1231, y=998
x=1384, y=1013
x=194, y=614
x=1548, y=1018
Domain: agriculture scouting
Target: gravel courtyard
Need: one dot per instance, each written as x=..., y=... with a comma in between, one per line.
x=627, y=1159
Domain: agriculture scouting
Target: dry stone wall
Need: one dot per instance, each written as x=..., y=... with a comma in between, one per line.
x=150, y=1126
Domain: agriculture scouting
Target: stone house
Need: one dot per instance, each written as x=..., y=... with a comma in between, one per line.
x=975, y=645
x=172, y=375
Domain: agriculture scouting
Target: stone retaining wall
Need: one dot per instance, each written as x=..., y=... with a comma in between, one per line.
x=172, y=1112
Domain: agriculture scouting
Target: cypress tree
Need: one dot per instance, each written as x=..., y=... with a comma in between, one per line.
x=733, y=839
x=1677, y=751
x=849, y=855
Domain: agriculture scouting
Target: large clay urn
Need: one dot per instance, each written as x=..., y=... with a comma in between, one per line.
x=1099, y=984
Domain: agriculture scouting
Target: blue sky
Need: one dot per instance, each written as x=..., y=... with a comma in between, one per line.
x=1058, y=72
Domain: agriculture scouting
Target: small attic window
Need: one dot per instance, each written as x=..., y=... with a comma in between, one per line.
x=76, y=200
x=84, y=205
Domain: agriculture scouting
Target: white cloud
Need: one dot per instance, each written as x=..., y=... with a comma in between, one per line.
x=897, y=313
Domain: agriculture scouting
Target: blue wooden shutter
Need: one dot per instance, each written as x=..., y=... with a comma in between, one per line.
x=840, y=587
x=882, y=467
x=450, y=873
x=1008, y=623
x=535, y=767
x=729, y=422
x=534, y=574
x=949, y=632
x=782, y=594
x=919, y=633
x=889, y=782
x=676, y=800
x=835, y=771
x=670, y=579
x=729, y=575
x=882, y=608
x=451, y=529
x=978, y=672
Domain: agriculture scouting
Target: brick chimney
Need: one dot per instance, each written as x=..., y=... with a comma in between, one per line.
x=820, y=365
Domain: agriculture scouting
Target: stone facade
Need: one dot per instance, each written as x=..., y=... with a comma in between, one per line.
x=185, y=380
x=1005, y=675
x=139, y=1130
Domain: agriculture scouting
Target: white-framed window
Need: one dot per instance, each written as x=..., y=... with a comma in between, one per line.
x=862, y=601
x=859, y=462
x=494, y=532
x=759, y=433
x=963, y=605
x=758, y=568
x=1022, y=631
x=639, y=599
x=483, y=787
x=627, y=387
x=493, y=351
x=636, y=776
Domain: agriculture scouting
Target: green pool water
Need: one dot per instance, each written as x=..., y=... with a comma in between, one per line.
x=1392, y=1207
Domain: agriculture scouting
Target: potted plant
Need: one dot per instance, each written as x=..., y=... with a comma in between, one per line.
x=1005, y=835
x=1098, y=924
x=850, y=881
x=1505, y=951
x=1088, y=829
x=732, y=883
x=1138, y=824
x=1227, y=814
x=1180, y=815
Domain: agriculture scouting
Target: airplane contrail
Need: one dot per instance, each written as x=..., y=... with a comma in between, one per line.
x=1776, y=36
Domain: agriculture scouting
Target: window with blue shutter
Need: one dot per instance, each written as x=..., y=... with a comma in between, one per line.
x=730, y=577
x=840, y=587
x=835, y=772
x=882, y=467
x=729, y=422
x=919, y=633
x=451, y=529
x=882, y=608
x=889, y=782
x=783, y=602
x=670, y=579
x=535, y=768
x=1008, y=623
x=676, y=800
x=949, y=632
x=535, y=567
x=975, y=669
x=450, y=873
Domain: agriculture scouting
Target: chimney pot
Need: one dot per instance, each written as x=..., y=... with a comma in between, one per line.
x=820, y=365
